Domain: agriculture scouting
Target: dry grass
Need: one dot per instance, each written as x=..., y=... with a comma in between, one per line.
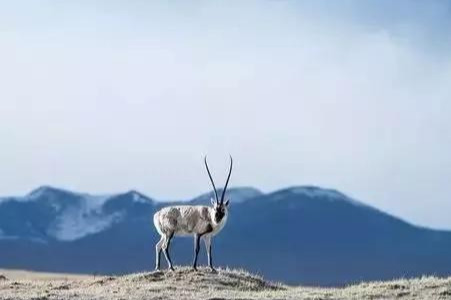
x=187, y=284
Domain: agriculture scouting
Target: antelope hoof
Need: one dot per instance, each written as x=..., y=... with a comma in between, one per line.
x=213, y=270
x=195, y=269
x=171, y=268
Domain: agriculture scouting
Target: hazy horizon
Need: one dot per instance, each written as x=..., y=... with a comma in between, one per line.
x=107, y=96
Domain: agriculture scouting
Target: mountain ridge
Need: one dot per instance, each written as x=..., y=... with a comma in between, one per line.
x=56, y=197
x=302, y=234
x=244, y=193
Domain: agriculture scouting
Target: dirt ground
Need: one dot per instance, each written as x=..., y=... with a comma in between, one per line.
x=184, y=283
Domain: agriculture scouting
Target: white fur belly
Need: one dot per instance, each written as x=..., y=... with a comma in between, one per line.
x=183, y=233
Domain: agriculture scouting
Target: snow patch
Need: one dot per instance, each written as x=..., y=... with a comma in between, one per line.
x=77, y=222
x=86, y=218
x=76, y=215
x=315, y=192
x=137, y=197
x=74, y=224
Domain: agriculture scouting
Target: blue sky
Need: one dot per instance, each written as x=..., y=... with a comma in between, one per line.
x=104, y=96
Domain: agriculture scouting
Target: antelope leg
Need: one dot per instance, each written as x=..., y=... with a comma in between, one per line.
x=196, y=250
x=207, y=241
x=166, y=251
x=158, y=252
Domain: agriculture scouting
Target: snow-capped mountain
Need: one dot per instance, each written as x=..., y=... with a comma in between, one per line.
x=304, y=234
x=48, y=213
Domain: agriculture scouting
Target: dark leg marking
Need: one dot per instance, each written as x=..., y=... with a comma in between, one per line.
x=166, y=252
x=196, y=250
x=197, y=247
x=157, y=267
x=210, y=259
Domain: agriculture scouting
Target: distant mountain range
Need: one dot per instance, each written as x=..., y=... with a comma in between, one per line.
x=306, y=235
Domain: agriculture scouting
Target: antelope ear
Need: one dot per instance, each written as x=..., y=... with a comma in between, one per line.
x=227, y=203
x=213, y=201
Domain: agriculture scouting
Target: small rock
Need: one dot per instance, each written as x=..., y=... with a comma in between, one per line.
x=397, y=286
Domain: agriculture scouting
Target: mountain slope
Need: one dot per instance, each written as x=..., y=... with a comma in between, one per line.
x=48, y=214
x=303, y=235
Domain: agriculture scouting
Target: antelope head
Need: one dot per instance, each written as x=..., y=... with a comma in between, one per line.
x=219, y=206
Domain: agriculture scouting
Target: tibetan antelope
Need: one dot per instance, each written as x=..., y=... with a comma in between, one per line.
x=203, y=222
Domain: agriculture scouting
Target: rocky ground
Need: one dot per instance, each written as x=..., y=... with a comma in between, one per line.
x=187, y=284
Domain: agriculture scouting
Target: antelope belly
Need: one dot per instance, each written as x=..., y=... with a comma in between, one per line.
x=183, y=233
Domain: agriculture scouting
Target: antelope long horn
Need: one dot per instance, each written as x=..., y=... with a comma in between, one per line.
x=227, y=182
x=211, y=179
